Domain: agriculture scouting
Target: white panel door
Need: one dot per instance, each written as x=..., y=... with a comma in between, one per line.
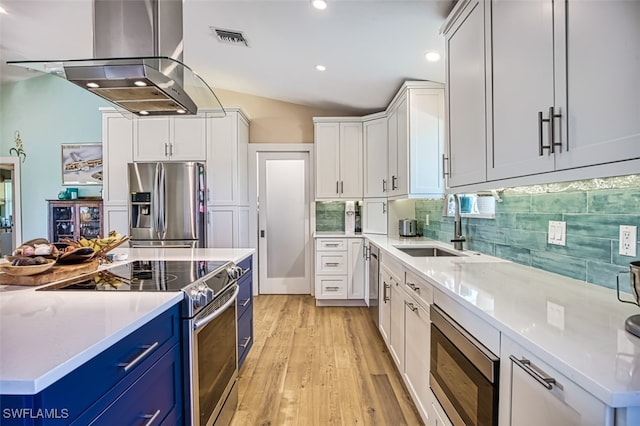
x=392, y=152
x=603, y=97
x=402, y=181
x=283, y=221
x=327, y=147
x=151, y=139
x=351, y=160
x=396, y=337
x=374, y=216
x=221, y=225
x=523, y=86
x=222, y=158
x=375, y=157
x=417, y=355
x=355, y=277
x=116, y=218
x=117, y=136
x=189, y=139
x=467, y=99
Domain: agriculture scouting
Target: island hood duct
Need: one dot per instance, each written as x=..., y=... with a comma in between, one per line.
x=137, y=62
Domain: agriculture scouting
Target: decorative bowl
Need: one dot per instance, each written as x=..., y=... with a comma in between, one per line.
x=7, y=268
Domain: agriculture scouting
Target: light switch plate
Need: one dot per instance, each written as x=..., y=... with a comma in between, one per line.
x=557, y=233
x=628, y=240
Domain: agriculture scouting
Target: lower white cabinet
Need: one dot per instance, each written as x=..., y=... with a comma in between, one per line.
x=438, y=417
x=384, y=302
x=116, y=218
x=417, y=347
x=339, y=269
x=374, y=216
x=532, y=393
x=397, y=330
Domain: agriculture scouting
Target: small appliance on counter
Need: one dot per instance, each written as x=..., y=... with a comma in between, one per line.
x=407, y=228
x=350, y=217
x=632, y=324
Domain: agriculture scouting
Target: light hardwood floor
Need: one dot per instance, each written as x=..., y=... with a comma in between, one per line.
x=318, y=366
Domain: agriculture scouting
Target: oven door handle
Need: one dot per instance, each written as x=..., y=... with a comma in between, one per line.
x=198, y=324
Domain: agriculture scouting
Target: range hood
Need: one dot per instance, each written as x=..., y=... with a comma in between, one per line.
x=137, y=62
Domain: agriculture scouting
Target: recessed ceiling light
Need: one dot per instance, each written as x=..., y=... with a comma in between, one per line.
x=180, y=111
x=319, y=4
x=140, y=83
x=432, y=56
x=144, y=112
x=93, y=85
x=321, y=68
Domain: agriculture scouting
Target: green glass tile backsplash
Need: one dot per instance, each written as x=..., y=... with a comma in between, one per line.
x=593, y=211
x=330, y=216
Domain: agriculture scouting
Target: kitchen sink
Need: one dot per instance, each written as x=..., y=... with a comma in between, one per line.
x=427, y=251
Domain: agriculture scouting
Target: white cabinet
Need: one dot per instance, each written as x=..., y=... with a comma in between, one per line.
x=374, y=216
x=116, y=218
x=575, y=118
x=384, y=302
x=397, y=332
x=170, y=139
x=117, y=140
x=466, y=95
x=339, y=269
x=227, y=226
x=534, y=393
x=416, y=141
x=417, y=333
x=338, y=154
x=227, y=159
x=375, y=157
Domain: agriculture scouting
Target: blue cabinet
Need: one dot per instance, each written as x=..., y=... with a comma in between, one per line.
x=143, y=369
x=245, y=310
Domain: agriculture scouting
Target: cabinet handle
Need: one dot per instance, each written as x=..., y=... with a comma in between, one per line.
x=342, y=187
x=414, y=287
x=337, y=187
x=166, y=149
x=151, y=417
x=411, y=306
x=332, y=288
x=394, y=186
x=384, y=207
x=551, y=146
x=147, y=350
x=331, y=264
x=444, y=172
x=244, y=344
x=171, y=149
x=245, y=302
x=540, y=376
x=331, y=244
x=384, y=185
x=386, y=287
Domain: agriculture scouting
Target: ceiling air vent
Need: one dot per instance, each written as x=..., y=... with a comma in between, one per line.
x=231, y=37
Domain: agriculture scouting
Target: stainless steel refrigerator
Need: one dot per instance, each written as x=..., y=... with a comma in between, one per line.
x=167, y=204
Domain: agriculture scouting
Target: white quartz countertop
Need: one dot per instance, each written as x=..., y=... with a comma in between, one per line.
x=46, y=334
x=587, y=343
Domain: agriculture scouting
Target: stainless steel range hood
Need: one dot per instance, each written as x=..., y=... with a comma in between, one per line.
x=137, y=62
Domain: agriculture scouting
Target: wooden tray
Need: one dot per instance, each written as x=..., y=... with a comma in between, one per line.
x=58, y=272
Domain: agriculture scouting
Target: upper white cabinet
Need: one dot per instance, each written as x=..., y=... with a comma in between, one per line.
x=338, y=153
x=416, y=141
x=375, y=156
x=170, y=139
x=466, y=96
x=117, y=137
x=374, y=216
x=227, y=159
x=554, y=111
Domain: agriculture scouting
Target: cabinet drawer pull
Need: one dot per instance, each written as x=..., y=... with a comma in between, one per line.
x=394, y=186
x=411, y=306
x=166, y=149
x=444, y=172
x=385, y=298
x=414, y=287
x=245, y=302
x=342, y=187
x=331, y=264
x=384, y=185
x=540, y=376
x=331, y=244
x=332, y=288
x=151, y=417
x=147, y=350
x=551, y=135
x=244, y=344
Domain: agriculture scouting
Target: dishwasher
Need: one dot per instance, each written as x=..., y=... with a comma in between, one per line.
x=374, y=273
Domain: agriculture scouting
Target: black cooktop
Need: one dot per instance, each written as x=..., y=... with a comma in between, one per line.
x=148, y=275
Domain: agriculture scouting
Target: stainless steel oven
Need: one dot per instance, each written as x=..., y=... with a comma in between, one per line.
x=464, y=373
x=213, y=360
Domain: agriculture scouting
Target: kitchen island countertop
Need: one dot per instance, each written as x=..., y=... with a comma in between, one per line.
x=46, y=334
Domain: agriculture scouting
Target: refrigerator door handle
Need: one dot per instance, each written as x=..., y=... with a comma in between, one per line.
x=163, y=203
x=156, y=200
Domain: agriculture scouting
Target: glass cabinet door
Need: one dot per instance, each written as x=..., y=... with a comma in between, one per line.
x=63, y=222
x=90, y=221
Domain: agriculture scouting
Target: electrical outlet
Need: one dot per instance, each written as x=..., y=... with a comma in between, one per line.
x=555, y=315
x=628, y=240
x=557, y=233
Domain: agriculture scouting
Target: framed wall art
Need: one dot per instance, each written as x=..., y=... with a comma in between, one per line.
x=82, y=164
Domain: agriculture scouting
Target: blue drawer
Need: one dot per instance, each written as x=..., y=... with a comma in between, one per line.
x=245, y=334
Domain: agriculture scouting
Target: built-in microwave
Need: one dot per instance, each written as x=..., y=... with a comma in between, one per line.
x=463, y=373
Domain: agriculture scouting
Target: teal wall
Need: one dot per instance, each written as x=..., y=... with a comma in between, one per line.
x=593, y=211
x=47, y=111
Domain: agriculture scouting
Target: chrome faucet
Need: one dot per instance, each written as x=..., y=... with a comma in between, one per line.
x=458, y=238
